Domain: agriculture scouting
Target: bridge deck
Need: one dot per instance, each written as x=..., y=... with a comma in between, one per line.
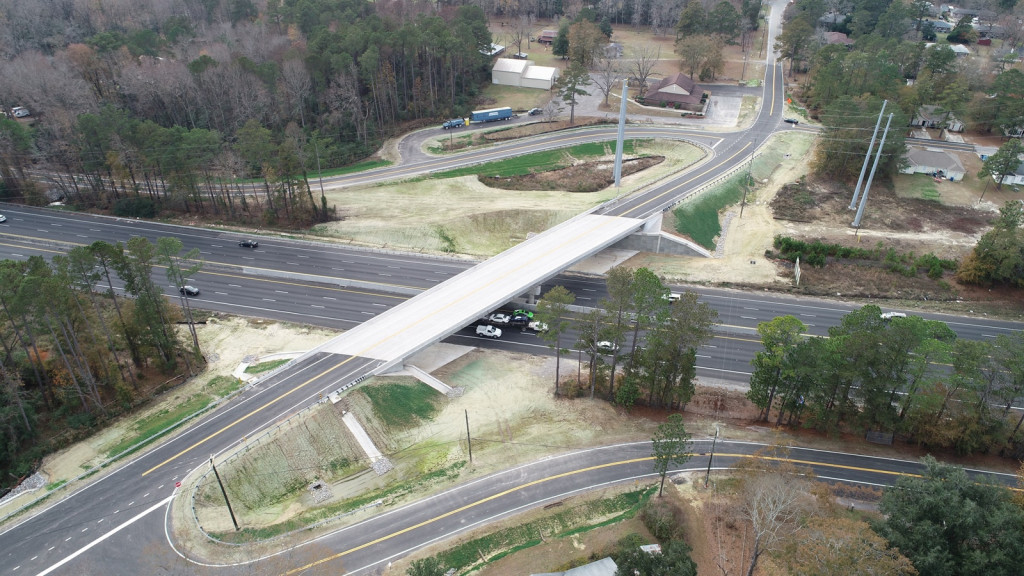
x=452, y=305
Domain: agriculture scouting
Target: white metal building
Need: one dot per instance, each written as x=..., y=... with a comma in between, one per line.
x=509, y=72
x=542, y=77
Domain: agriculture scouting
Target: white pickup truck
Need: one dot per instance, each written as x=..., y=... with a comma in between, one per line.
x=488, y=331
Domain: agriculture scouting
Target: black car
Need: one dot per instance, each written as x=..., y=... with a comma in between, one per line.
x=793, y=121
x=189, y=290
x=249, y=244
x=535, y=111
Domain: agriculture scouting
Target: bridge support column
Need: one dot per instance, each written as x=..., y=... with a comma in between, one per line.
x=533, y=294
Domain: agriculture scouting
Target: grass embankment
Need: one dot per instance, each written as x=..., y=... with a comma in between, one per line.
x=152, y=425
x=266, y=366
x=271, y=478
x=477, y=553
x=542, y=161
x=699, y=218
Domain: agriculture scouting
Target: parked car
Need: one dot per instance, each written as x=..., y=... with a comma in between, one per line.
x=793, y=121
x=535, y=111
x=606, y=346
x=189, y=290
x=499, y=318
x=891, y=315
x=20, y=112
x=249, y=244
x=537, y=326
x=488, y=331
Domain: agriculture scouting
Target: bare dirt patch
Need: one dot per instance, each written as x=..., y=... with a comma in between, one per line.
x=581, y=177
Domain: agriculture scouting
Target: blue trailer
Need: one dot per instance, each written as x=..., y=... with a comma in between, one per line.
x=491, y=115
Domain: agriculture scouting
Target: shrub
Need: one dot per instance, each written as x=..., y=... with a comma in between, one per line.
x=662, y=519
x=135, y=208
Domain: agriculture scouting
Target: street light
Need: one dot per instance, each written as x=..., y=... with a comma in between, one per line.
x=708, y=475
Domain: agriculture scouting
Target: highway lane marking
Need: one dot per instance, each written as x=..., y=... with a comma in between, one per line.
x=251, y=414
x=99, y=540
x=685, y=182
x=565, y=475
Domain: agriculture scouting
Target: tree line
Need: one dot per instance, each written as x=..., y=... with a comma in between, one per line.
x=663, y=337
x=84, y=337
x=903, y=375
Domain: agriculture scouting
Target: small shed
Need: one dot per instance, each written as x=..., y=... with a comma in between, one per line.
x=938, y=163
x=540, y=77
x=509, y=72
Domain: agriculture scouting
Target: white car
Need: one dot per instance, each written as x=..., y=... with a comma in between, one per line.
x=488, y=331
x=499, y=318
x=3, y=218
x=891, y=315
x=606, y=346
x=537, y=326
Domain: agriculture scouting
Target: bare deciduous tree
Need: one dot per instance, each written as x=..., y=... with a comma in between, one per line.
x=607, y=73
x=645, y=58
x=296, y=84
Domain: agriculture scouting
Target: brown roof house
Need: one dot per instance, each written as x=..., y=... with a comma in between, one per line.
x=679, y=92
x=547, y=36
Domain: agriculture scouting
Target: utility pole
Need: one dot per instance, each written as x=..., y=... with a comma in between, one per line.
x=225, y=493
x=746, y=185
x=867, y=157
x=622, y=132
x=867, y=187
x=469, y=441
x=707, y=476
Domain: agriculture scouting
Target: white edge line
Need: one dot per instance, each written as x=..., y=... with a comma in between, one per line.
x=100, y=540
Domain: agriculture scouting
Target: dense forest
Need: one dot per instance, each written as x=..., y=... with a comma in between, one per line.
x=145, y=106
x=75, y=356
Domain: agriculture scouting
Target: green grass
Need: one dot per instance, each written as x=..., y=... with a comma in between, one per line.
x=221, y=386
x=54, y=485
x=449, y=474
x=153, y=424
x=540, y=161
x=266, y=366
x=575, y=520
x=919, y=186
x=699, y=219
x=401, y=405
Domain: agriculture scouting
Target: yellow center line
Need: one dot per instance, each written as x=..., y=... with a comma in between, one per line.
x=564, y=475
x=684, y=183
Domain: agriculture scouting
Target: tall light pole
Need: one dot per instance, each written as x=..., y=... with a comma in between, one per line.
x=707, y=476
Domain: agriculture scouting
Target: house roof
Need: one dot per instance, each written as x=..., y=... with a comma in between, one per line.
x=960, y=49
x=931, y=113
x=540, y=73
x=934, y=158
x=603, y=567
x=511, y=65
x=837, y=38
x=679, y=88
x=940, y=24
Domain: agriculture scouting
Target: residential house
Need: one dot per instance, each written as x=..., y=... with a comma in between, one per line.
x=941, y=26
x=938, y=163
x=837, y=38
x=679, y=89
x=929, y=116
x=1015, y=179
